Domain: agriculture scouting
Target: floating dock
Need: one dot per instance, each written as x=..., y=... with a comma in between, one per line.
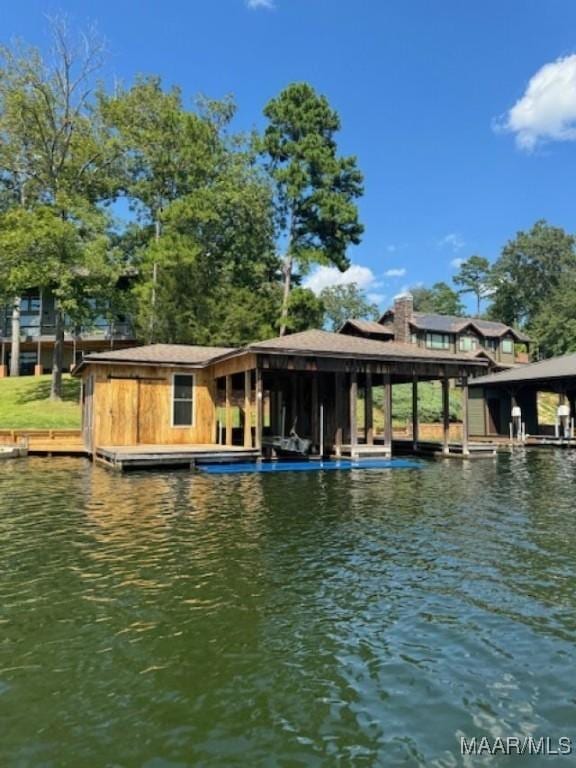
x=123, y=457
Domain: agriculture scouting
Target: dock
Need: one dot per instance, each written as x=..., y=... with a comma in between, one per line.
x=126, y=457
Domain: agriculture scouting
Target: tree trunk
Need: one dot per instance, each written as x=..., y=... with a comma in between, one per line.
x=15, y=357
x=58, y=356
x=286, y=296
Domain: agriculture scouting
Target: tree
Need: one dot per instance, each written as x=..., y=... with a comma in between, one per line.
x=344, y=302
x=474, y=277
x=530, y=269
x=56, y=150
x=554, y=325
x=439, y=299
x=315, y=189
x=204, y=245
x=306, y=310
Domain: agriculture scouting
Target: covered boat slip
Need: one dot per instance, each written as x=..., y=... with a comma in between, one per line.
x=296, y=394
x=505, y=404
x=310, y=384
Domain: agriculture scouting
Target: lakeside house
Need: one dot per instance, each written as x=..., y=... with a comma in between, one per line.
x=308, y=382
x=500, y=344
x=37, y=328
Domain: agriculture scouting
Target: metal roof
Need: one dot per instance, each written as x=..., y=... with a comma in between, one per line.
x=553, y=368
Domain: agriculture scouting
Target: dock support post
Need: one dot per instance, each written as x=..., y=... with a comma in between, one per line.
x=465, y=445
x=368, y=410
x=414, y=412
x=228, y=381
x=445, y=415
x=387, y=402
x=259, y=409
x=247, y=409
x=353, y=411
x=315, y=415
x=339, y=412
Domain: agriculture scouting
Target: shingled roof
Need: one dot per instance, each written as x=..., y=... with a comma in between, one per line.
x=368, y=326
x=159, y=354
x=315, y=342
x=554, y=368
x=430, y=321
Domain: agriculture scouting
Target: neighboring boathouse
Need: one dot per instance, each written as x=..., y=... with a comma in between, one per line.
x=309, y=382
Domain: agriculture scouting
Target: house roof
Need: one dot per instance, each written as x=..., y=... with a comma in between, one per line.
x=316, y=342
x=368, y=326
x=430, y=321
x=158, y=354
x=554, y=368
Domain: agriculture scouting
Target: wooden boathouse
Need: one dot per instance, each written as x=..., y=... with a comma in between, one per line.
x=493, y=398
x=162, y=401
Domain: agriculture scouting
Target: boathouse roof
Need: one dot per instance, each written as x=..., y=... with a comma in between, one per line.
x=159, y=354
x=553, y=368
x=316, y=342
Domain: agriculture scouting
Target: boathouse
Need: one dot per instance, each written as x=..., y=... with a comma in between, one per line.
x=178, y=398
x=493, y=397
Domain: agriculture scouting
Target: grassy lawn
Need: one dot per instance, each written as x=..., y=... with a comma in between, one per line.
x=25, y=404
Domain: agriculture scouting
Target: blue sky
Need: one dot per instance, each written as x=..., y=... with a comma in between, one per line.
x=460, y=113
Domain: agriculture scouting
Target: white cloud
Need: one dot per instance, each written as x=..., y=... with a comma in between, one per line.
x=255, y=4
x=547, y=110
x=376, y=298
x=453, y=240
x=457, y=263
x=323, y=277
x=396, y=272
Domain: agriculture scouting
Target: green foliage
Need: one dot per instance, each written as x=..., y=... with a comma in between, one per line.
x=474, y=276
x=429, y=403
x=314, y=189
x=554, y=324
x=306, y=310
x=57, y=163
x=440, y=298
x=531, y=268
x=344, y=302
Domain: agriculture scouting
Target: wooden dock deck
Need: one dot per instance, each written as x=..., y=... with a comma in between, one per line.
x=435, y=449
x=141, y=456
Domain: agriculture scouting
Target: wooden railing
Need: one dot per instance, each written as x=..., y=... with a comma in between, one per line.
x=44, y=440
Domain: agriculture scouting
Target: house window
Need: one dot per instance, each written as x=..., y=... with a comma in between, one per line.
x=492, y=344
x=507, y=346
x=468, y=343
x=182, y=400
x=437, y=341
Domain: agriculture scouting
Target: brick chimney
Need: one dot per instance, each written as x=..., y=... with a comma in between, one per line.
x=403, y=310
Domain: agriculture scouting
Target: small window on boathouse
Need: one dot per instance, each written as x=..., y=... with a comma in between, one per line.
x=182, y=400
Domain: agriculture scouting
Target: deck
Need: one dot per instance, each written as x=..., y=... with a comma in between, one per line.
x=124, y=457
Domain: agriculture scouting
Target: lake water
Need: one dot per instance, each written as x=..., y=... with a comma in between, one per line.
x=361, y=618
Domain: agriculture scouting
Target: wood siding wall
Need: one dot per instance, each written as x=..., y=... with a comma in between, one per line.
x=133, y=405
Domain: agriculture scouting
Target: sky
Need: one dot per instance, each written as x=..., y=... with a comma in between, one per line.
x=462, y=114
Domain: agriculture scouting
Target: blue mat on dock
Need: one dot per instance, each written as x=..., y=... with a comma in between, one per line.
x=308, y=466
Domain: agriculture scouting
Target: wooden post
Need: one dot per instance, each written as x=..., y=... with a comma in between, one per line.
x=353, y=408
x=446, y=415
x=259, y=410
x=315, y=420
x=228, y=410
x=414, y=412
x=247, y=409
x=465, y=447
x=338, y=412
x=387, y=402
x=368, y=410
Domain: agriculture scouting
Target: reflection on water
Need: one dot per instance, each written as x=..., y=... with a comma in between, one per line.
x=363, y=618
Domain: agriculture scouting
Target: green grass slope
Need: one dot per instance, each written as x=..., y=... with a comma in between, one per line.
x=25, y=404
